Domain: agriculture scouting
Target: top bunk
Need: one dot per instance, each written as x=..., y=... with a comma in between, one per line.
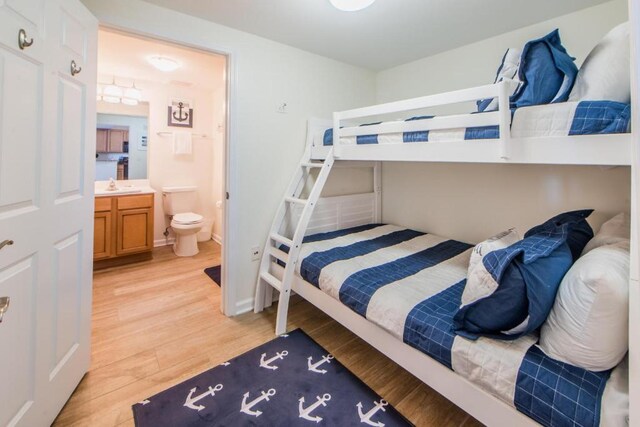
x=521, y=118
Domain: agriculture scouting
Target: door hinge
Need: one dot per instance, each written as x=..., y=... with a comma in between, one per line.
x=227, y=195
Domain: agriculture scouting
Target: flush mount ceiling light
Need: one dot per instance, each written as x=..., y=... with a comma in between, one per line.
x=351, y=5
x=163, y=63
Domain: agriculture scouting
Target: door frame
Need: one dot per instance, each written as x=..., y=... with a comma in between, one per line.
x=228, y=302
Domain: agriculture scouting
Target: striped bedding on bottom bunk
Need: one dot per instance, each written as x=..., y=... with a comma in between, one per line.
x=410, y=283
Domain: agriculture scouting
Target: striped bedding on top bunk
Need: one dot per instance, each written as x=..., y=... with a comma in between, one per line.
x=410, y=283
x=561, y=119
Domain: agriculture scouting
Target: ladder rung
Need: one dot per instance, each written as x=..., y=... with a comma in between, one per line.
x=278, y=254
x=295, y=200
x=281, y=239
x=272, y=280
x=312, y=165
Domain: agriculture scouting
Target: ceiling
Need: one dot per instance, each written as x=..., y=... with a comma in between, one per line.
x=389, y=33
x=125, y=58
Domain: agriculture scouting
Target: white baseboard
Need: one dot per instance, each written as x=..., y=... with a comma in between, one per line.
x=217, y=238
x=164, y=242
x=244, y=306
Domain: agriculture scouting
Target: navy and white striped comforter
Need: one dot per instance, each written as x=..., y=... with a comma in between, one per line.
x=410, y=283
x=561, y=119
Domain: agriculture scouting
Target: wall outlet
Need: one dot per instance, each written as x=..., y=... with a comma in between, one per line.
x=255, y=253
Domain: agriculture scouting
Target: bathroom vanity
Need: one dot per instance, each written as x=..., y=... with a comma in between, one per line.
x=123, y=227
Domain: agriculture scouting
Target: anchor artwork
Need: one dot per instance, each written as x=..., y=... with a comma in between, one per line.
x=289, y=381
x=180, y=113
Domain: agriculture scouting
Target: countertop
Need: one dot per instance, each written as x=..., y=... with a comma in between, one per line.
x=123, y=191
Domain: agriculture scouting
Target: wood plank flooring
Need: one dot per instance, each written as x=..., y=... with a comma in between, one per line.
x=158, y=322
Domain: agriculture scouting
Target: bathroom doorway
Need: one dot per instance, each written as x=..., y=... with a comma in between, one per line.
x=163, y=113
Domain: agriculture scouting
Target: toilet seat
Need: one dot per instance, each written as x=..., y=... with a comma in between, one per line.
x=187, y=218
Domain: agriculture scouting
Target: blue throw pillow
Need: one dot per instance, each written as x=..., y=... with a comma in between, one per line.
x=547, y=72
x=580, y=232
x=511, y=293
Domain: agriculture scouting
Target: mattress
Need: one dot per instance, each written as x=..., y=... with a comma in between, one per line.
x=410, y=283
x=562, y=119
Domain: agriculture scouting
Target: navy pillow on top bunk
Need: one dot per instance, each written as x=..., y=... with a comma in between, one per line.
x=547, y=72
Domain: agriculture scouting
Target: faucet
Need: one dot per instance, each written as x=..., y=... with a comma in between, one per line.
x=112, y=185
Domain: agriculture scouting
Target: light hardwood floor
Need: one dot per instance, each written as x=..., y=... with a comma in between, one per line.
x=158, y=323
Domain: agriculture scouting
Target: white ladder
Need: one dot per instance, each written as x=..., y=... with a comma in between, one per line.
x=272, y=252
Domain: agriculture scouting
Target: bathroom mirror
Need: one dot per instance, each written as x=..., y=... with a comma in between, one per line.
x=121, y=144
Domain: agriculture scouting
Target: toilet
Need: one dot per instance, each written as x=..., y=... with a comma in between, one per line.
x=179, y=203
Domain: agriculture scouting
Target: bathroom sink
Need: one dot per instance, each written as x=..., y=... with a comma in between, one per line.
x=123, y=190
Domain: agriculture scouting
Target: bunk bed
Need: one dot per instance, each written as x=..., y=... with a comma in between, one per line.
x=309, y=229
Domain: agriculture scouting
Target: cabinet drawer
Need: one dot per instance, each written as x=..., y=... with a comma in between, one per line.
x=103, y=204
x=135, y=202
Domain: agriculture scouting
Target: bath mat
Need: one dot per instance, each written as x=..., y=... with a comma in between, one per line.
x=289, y=381
x=214, y=274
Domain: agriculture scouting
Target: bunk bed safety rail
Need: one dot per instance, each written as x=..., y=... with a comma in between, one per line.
x=500, y=118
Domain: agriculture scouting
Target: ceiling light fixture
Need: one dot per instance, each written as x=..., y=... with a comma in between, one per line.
x=351, y=5
x=132, y=96
x=112, y=93
x=163, y=63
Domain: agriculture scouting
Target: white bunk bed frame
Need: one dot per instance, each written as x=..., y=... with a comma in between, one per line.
x=296, y=217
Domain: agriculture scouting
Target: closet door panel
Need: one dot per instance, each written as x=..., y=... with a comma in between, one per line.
x=20, y=132
x=70, y=143
x=18, y=281
x=67, y=295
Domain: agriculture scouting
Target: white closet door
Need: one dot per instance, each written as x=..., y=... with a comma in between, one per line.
x=47, y=144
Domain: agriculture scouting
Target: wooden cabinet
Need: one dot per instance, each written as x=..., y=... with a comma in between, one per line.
x=111, y=140
x=116, y=141
x=102, y=141
x=123, y=226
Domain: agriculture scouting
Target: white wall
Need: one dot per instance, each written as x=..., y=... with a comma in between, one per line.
x=476, y=64
x=471, y=202
x=265, y=146
x=169, y=169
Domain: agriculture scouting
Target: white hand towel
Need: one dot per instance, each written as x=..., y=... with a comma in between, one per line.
x=182, y=142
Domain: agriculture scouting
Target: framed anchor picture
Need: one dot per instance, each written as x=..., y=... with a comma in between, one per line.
x=180, y=113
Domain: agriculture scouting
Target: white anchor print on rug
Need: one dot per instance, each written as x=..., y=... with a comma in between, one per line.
x=289, y=381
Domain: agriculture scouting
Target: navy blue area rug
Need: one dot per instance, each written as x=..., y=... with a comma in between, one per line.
x=214, y=274
x=290, y=381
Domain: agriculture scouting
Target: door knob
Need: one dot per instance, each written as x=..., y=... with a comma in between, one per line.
x=4, y=306
x=22, y=39
x=6, y=243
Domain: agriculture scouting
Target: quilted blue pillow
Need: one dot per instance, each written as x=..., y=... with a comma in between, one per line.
x=547, y=72
x=511, y=293
x=580, y=232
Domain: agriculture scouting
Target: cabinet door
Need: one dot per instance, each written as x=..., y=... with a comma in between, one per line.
x=101, y=235
x=116, y=141
x=102, y=145
x=134, y=231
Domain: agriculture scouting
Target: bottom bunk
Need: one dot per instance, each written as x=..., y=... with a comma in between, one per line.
x=399, y=289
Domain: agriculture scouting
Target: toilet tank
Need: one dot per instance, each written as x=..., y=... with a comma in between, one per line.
x=177, y=200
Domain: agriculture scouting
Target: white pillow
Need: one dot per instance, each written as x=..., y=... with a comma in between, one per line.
x=617, y=229
x=606, y=73
x=499, y=241
x=588, y=325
